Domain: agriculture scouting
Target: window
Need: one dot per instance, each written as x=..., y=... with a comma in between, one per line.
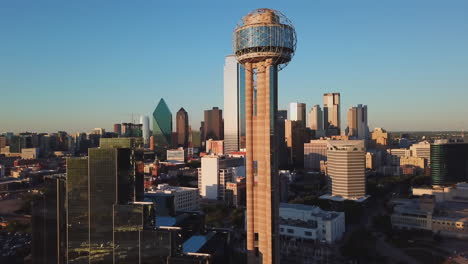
x=307, y=233
x=290, y=231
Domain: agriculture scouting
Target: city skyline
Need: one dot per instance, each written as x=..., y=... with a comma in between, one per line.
x=105, y=61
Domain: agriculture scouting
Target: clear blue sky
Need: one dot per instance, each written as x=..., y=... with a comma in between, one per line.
x=76, y=65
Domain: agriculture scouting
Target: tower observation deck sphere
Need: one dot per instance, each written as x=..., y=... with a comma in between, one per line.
x=264, y=34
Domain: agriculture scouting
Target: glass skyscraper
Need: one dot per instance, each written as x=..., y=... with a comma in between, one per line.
x=162, y=125
x=234, y=105
x=102, y=191
x=48, y=222
x=449, y=162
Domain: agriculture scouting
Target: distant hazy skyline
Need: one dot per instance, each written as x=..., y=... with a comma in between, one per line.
x=76, y=65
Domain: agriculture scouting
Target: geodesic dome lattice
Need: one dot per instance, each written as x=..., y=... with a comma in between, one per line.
x=265, y=33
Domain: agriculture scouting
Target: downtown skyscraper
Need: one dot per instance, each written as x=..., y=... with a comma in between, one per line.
x=331, y=113
x=144, y=121
x=297, y=112
x=105, y=215
x=213, y=124
x=162, y=125
x=315, y=120
x=357, y=122
x=234, y=105
x=182, y=127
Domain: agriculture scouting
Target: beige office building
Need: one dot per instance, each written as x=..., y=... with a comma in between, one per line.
x=346, y=167
x=379, y=138
x=314, y=152
x=422, y=150
x=331, y=111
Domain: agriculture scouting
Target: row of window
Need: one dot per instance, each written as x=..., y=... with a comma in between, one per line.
x=291, y=231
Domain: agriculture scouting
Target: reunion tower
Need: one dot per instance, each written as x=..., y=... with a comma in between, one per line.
x=264, y=42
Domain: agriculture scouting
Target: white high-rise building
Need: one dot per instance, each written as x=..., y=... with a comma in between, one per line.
x=422, y=150
x=234, y=105
x=215, y=172
x=346, y=165
x=297, y=112
x=144, y=120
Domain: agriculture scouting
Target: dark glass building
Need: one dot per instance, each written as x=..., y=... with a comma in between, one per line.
x=77, y=211
x=162, y=125
x=213, y=126
x=48, y=223
x=182, y=129
x=103, y=212
x=449, y=162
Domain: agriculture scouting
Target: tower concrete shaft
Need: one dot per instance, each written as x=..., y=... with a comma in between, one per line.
x=264, y=42
x=262, y=168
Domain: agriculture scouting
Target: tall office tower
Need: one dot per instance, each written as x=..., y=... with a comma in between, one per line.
x=234, y=105
x=357, y=122
x=182, y=127
x=264, y=42
x=297, y=112
x=315, y=120
x=362, y=125
x=48, y=222
x=213, y=124
x=162, y=125
x=100, y=189
x=331, y=113
x=352, y=122
x=281, y=118
x=118, y=129
x=77, y=210
x=346, y=164
x=294, y=136
x=2, y=141
x=144, y=121
x=449, y=162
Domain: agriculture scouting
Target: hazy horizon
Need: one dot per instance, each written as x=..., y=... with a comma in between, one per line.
x=74, y=66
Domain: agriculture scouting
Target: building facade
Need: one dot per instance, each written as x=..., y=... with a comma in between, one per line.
x=162, y=125
x=315, y=120
x=331, y=113
x=234, y=105
x=311, y=223
x=449, y=162
x=144, y=121
x=314, y=152
x=357, y=122
x=346, y=168
x=182, y=128
x=297, y=112
x=213, y=124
